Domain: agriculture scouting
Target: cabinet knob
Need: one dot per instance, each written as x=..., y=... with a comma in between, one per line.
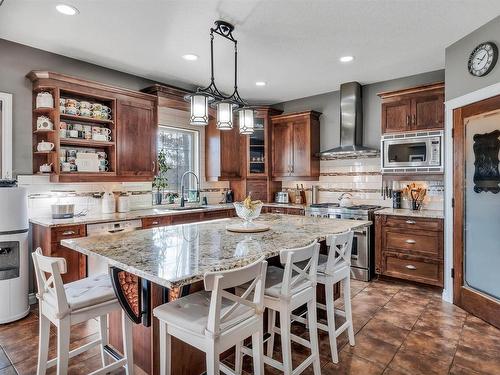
x=155, y=223
x=68, y=233
x=410, y=241
x=411, y=222
x=411, y=267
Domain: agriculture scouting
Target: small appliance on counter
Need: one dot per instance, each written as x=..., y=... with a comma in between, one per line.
x=62, y=211
x=14, y=252
x=281, y=197
x=229, y=196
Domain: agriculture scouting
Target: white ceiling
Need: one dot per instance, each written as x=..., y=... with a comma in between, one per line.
x=292, y=45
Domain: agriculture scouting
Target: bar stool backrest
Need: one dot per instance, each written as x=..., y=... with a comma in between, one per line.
x=53, y=284
x=340, y=248
x=219, y=282
x=294, y=275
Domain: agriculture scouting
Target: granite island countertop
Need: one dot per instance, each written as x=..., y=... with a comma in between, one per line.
x=178, y=255
x=429, y=214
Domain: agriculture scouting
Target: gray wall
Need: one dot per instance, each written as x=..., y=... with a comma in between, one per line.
x=329, y=105
x=458, y=79
x=16, y=60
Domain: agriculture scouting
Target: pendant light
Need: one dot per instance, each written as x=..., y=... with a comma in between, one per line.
x=225, y=105
x=199, y=108
x=246, y=120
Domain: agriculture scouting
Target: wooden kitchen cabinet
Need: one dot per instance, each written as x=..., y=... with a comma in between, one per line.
x=131, y=149
x=48, y=239
x=283, y=210
x=136, y=138
x=409, y=248
x=416, y=108
x=295, y=145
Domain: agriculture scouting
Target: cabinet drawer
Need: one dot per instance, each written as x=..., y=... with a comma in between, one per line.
x=276, y=210
x=187, y=218
x=426, y=243
x=295, y=211
x=414, y=223
x=71, y=231
x=153, y=222
x=212, y=215
x=418, y=269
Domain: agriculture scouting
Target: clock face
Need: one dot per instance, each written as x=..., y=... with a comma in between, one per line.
x=483, y=59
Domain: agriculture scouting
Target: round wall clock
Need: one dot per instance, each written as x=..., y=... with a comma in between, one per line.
x=483, y=59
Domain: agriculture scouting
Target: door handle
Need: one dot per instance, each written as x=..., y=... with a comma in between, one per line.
x=407, y=119
x=155, y=222
x=411, y=222
x=410, y=241
x=116, y=230
x=414, y=119
x=154, y=166
x=68, y=233
x=411, y=267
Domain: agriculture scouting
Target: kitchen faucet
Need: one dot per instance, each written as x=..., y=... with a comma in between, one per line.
x=197, y=187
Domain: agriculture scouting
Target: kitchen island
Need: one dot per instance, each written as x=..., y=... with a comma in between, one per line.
x=152, y=266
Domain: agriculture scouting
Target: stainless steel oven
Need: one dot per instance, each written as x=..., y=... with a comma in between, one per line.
x=362, y=254
x=421, y=152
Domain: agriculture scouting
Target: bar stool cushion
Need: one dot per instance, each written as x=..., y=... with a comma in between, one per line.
x=86, y=292
x=191, y=312
x=274, y=281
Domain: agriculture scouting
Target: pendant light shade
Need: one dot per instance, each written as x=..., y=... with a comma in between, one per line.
x=246, y=116
x=224, y=115
x=199, y=108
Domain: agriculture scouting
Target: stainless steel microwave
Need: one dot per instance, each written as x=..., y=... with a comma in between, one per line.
x=421, y=152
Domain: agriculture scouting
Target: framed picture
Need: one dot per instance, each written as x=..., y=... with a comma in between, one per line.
x=6, y=135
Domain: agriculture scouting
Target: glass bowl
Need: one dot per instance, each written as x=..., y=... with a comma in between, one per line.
x=247, y=214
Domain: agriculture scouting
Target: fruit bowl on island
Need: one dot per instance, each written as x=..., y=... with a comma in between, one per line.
x=248, y=211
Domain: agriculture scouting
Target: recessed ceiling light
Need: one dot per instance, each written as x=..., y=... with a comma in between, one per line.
x=190, y=57
x=66, y=9
x=260, y=83
x=345, y=59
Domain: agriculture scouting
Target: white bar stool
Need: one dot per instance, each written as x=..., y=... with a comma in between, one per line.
x=332, y=268
x=287, y=289
x=73, y=303
x=215, y=320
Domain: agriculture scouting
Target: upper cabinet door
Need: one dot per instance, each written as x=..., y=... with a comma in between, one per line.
x=137, y=131
x=396, y=115
x=428, y=112
x=282, y=149
x=301, y=155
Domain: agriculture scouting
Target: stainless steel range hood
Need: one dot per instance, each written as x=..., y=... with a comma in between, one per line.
x=351, y=125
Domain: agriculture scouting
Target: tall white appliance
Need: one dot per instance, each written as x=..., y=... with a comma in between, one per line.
x=14, y=257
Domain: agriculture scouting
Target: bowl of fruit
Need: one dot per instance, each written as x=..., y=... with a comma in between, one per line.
x=248, y=210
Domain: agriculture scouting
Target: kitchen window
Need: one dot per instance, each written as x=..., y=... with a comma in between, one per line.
x=182, y=153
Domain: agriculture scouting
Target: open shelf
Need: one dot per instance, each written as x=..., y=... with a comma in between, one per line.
x=39, y=131
x=43, y=152
x=43, y=110
x=85, y=119
x=85, y=142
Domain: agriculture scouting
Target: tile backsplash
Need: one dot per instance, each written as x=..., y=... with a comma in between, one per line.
x=86, y=196
x=362, y=178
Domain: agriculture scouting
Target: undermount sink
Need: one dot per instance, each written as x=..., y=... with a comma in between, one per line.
x=179, y=208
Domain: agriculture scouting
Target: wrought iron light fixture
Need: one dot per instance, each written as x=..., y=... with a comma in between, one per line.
x=210, y=95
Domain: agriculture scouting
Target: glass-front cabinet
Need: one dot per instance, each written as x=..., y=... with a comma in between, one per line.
x=257, y=149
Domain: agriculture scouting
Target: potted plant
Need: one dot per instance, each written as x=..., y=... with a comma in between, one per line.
x=160, y=181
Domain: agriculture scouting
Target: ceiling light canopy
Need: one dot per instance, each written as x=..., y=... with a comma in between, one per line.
x=225, y=104
x=67, y=10
x=190, y=57
x=260, y=83
x=346, y=59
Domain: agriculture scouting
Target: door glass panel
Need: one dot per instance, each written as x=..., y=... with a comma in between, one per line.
x=407, y=152
x=257, y=152
x=482, y=204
